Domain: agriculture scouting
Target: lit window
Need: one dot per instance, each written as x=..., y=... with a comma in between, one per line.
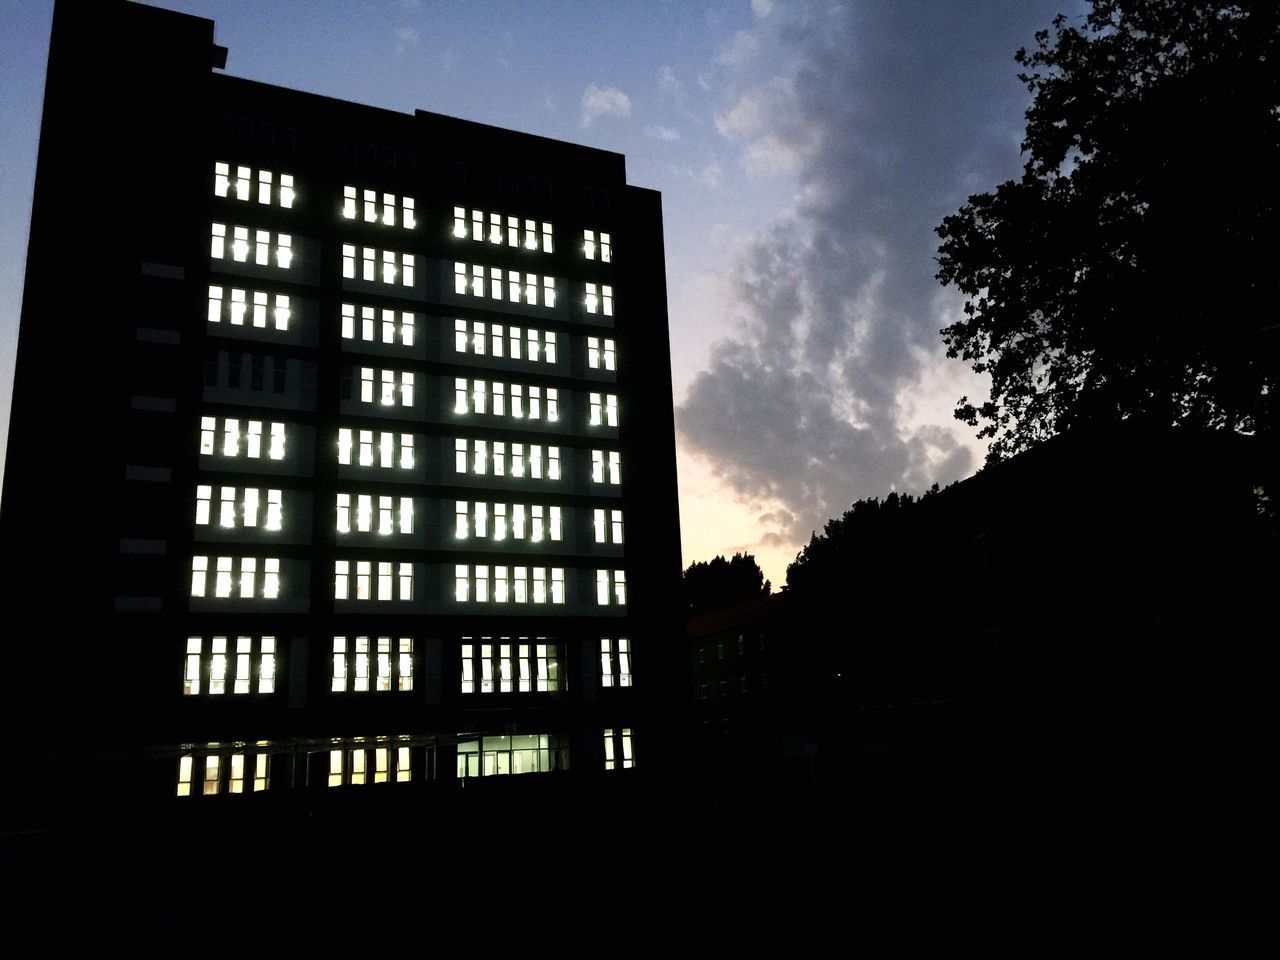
x=603, y=409
x=459, y=222
x=391, y=661
x=246, y=510
x=615, y=662
x=611, y=587
x=373, y=212
x=590, y=247
x=231, y=437
x=225, y=774
x=261, y=248
x=233, y=305
x=361, y=761
x=389, y=452
x=617, y=749
x=341, y=581
x=514, y=754
x=602, y=459
x=224, y=577
x=510, y=665
x=548, y=291
x=239, y=186
x=601, y=354
x=254, y=666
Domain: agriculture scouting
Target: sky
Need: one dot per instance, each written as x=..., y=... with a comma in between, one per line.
x=805, y=150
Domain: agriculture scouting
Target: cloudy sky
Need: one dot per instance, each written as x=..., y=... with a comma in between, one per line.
x=805, y=151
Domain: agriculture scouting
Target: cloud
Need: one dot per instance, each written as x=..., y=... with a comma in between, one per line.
x=761, y=8
x=600, y=102
x=739, y=50
x=669, y=84
x=888, y=115
x=661, y=133
x=406, y=34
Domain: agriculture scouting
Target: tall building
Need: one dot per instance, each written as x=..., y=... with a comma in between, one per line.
x=341, y=454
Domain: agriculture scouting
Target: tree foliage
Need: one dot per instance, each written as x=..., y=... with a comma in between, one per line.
x=719, y=583
x=828, y=558
x=1130, y=272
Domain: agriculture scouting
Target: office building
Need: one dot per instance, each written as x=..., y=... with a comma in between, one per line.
x=341, y=453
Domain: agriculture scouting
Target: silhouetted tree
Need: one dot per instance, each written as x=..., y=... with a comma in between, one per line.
x=720, y=583
x=828, y=558
x=1130, y=272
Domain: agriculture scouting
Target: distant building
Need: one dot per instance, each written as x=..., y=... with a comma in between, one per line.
x=342, y=450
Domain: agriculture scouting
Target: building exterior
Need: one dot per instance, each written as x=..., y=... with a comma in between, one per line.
x=342, y=450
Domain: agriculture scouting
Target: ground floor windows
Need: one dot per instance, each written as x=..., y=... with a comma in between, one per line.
x=233, y=769
x=499, y=756
x=236, y=665
x=617, y=749
x=362, y=762
x=511, y=665
x=364, y=664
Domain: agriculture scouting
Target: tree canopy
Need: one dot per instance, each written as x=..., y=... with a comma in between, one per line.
x=1130, y=271
x=827, y=558
x=719, y=583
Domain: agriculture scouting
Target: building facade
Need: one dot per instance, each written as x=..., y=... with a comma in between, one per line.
x=342, y=450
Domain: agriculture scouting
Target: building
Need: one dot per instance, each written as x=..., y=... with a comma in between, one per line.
x=341, y=452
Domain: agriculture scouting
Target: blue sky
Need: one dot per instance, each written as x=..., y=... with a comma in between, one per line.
x=804, y=151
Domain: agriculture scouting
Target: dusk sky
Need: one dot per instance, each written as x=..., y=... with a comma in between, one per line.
x=804, y=150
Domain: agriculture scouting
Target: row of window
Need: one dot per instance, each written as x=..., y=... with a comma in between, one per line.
x=240, y=185
x=218, y=668
x=485, y=396
x=227, y=584
x=256, y=247
x=234, y=441
x=370, y=259
x=471, y=280
x=238, y=304
x=377, y=208
x=393, y=328
x=387, y=760
x=489, y=667
x=394, y=513
x=491, y=229
x=471, y=584
x=540, y=344
x=239, y=509
x=385, y=664
x=390, y=450
x=372, y=664
x=387, y=388
x=391, y=584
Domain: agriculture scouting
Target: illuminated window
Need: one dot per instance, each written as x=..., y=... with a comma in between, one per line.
x=239, y=509
x=225, y=773
x=490, y=396
x=472, y=518
x=514, y=754
x=472, y=584
x=260, y=249
x=608, y=526
x=238, y=443
x=488, y=227
x=480, y=338
x=510, y=665
x=599, y=300
x=396, y=267
x=590, y=246
x=615, y=662
x=601, y=354
x=377, y=760
x=606, y=463
x=394, y=514
x=377, y=208
x=392, y=450
x=225, y=582
x=364, y=664
x=470, y=280
x=212, y=667
x=391, y=581
x=377, y=325
x=386, y=388
x=271, y=189
x=252, y=307
x=611, y=588
x=617, y=749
